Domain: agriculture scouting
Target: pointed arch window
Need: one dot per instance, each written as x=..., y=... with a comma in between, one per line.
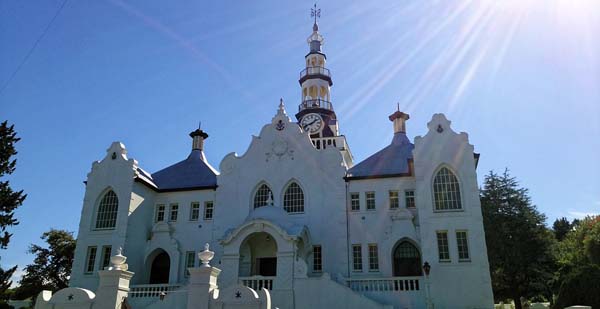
x=446, y=190
x=406, y=260
x=263, y=196
x=293, y=199
x=106, y=218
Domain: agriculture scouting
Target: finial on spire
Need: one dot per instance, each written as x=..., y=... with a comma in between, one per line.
x=200, y=124
x=316, y=13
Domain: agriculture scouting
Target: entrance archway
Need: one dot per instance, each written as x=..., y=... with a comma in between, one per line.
x=406, y=259
x=159, y=269
x=258, y=256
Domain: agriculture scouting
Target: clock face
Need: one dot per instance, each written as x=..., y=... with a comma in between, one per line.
x=312, y=123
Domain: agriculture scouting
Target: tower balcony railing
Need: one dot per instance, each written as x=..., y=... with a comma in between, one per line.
x=315, y=103
x=315, y=71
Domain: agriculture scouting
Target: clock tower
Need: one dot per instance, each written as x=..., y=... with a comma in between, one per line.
x=315, y=112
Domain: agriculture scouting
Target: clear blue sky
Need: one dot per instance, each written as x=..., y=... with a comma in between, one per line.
x=522, y=77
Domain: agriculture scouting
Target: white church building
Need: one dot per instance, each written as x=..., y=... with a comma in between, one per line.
x=296, y=216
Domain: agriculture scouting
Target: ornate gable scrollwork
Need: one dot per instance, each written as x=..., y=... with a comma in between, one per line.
x=280, y=149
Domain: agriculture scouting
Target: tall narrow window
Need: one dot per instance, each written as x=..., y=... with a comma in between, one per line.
x=293, y=199
x=160, y=213
x=208, y=210
x=357, y=257
x=373, y=258
x=263, y=196
x=443, y=250
x=90, y=259
x=317, y=259
x=354, y=201
x=394, y=200
x=173, y=212
x=370, y=197
x=446, y=190
x=194, y=211
x=106, y=217
x=190, y=258
x=409, y=197
x=106, y=251
x=463, y=246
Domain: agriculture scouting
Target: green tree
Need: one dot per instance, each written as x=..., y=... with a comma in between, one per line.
x=579, y=265
x=51, y=267
x=519, y=244
x=561, y=227
x=9, y=200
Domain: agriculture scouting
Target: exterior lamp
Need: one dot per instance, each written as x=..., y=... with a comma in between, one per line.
x=426, y=268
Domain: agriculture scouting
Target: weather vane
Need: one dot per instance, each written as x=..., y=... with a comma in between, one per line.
x=316, y=13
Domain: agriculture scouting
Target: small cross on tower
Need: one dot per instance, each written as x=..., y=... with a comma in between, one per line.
x=316, y=13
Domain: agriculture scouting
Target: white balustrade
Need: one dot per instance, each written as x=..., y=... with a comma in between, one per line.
x=330, y=142
x=257, y=282
x=395, y=284
x=151, y=290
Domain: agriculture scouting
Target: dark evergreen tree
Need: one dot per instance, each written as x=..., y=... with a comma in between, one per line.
x=51, y=267
x=9, y=199
x=519, y=244
x=561, y=227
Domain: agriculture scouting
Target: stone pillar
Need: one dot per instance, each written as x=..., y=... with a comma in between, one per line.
x=203, y=281
x=114, y=283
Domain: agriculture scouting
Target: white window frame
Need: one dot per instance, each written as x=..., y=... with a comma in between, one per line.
x=90, y=260
x=410, y=195
x=317, y=258
x=209, y=210
x=394, y=200
x=190, y=262
x=105, y=256
x=257, y=204
x=464, y=245
x=443, y=246
x=293, y=202
x=373, y=257
x=369, y=199
x=107, y=220
x=159, y=211
x=194, y=211
x=173, y=209
x=354, y=197
x=440, y=192
x=357, y=258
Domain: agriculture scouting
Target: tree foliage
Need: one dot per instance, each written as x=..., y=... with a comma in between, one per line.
x=579, y=265
x=9, y=200
x=561, y=228
x=519, y=244
x=51, y=267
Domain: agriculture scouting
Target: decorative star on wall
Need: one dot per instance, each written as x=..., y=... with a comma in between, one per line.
x=70, y=297
x=238, y=294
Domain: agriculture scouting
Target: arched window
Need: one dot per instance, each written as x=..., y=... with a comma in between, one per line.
x=407, y=260
x=262, y=196
x=107, y=211
x=446, y=190
x=293, y=199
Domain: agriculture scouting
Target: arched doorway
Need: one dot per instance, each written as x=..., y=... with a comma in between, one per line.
x=258, y=256
x=159, y=269
x=406, y=260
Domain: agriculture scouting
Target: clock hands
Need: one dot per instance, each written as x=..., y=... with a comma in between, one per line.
x=309, y=124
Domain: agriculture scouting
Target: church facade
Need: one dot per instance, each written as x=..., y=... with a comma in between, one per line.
x=297, y=216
